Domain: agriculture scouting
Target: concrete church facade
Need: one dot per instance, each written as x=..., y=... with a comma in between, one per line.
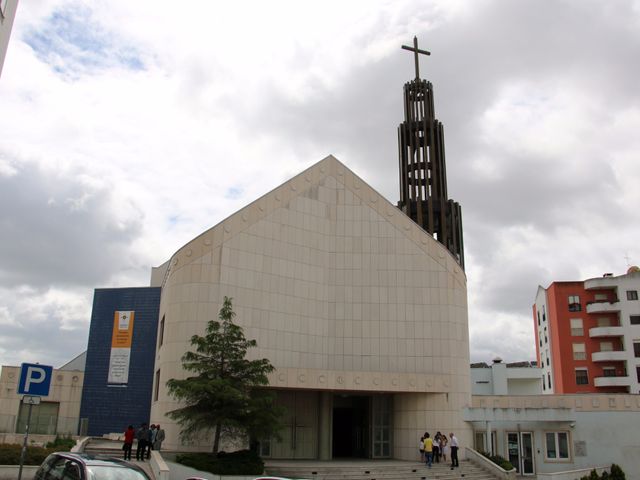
x=362, y=312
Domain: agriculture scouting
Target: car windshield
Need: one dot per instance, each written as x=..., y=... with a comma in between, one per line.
x=107, y=472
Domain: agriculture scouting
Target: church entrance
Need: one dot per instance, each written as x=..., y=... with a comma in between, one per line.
x=350, y=426
x=361, y=426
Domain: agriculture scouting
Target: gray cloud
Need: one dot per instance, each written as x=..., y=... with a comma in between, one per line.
x=59, y=230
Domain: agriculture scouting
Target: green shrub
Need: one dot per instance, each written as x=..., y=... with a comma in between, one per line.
x=243, y=462
x=615, y=474
x=10, y=454
x=500, y=461
x=62, y=444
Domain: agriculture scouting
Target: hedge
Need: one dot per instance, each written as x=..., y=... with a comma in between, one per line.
x=10, y=454
x=500, y=461
x=615, y=474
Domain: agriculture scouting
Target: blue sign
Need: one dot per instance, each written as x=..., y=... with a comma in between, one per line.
x=35, y=379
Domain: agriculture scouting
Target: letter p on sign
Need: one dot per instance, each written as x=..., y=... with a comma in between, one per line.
x=35, y=379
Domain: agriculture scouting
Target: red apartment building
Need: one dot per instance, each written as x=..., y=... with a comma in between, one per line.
x=588, y=335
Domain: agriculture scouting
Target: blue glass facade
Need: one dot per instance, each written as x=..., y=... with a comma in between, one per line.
x=106, y=408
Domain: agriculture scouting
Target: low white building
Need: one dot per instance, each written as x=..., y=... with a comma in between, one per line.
x=519, y=378
x=57, y=414
x=543, y=434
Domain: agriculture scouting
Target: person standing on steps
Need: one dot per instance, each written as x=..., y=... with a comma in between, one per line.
x=421, y=448
x=454, y=450
x=444, y=447
x=129, y=435
x=157, y=445
x=428, y=449
x=142, y=435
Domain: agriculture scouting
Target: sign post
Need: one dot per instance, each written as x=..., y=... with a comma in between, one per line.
x=34, y=383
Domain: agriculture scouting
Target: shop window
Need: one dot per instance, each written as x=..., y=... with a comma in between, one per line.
x=579, y=351
x=576, y=327
x=632, y=295
x=574, y=303
x=557, y=446
x=582, y=377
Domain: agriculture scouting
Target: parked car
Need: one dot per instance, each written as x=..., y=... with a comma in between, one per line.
x=80, y=466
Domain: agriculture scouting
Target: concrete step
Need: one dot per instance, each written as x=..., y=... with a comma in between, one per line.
x=327, y=471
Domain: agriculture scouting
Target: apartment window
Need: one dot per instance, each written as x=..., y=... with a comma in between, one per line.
x=582, y=377
x=557, y=445
x=540, y=342
x=638, y=374
x=604, y=322
x=156, y=390
x=600, y=297
x=549, y=380
x=579, y=351
x=544, y=384
x=606, y=346
x=574, y=303
x=546, y=340
x=632, y=294
x=609, y=371
x=636, y=349
x=576, y=327
x=538, y=318
x=547, y=358
x=161, y=332
x=634, y=319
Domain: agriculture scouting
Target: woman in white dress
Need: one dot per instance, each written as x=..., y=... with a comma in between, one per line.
x=444, y=447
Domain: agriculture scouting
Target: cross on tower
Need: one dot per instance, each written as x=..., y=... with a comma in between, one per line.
x=416, y=51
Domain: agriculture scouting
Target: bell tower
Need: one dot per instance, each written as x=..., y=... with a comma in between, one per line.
x=423, y=171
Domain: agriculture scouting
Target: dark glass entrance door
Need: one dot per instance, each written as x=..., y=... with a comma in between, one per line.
x=350, y=426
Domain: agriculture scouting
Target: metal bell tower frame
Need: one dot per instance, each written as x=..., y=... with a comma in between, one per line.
x=423, y=172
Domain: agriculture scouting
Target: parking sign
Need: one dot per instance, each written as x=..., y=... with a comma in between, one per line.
x=35, y=379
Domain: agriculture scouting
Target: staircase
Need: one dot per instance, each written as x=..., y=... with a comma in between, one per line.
x=376, y=470
x=103, y=446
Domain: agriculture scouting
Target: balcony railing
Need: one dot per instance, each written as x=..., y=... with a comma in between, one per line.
x=612, y=381
x=602, y=307
x=609, y=356
x=614, y=331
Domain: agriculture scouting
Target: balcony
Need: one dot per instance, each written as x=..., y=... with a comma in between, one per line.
x=612, y=356
x=603, y=307
x=612, y=381
x=606, y=332
x=599, y=283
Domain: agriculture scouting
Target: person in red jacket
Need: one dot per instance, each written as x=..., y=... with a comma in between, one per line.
x=129, y=434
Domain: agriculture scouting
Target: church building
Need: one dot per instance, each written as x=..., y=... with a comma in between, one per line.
x=360, y=305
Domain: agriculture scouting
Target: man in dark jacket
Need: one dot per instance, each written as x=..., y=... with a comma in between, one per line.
x=142, y=435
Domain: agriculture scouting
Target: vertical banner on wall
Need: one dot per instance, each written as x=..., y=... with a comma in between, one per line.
x=121, y=347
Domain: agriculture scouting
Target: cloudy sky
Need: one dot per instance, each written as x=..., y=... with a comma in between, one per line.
x=130, y=127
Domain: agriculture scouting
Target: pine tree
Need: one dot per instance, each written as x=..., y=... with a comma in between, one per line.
x=225, y=396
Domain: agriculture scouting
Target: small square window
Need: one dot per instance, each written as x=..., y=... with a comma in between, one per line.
x=604, y=322
x=579, y=351
x=632, y=294
x=576, y=327
x=634, y=319
x=606, y=346
x=609, y=371
x=582, y=378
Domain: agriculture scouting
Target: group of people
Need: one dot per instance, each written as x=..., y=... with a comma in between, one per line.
x=149, y=438
x=438, y=447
